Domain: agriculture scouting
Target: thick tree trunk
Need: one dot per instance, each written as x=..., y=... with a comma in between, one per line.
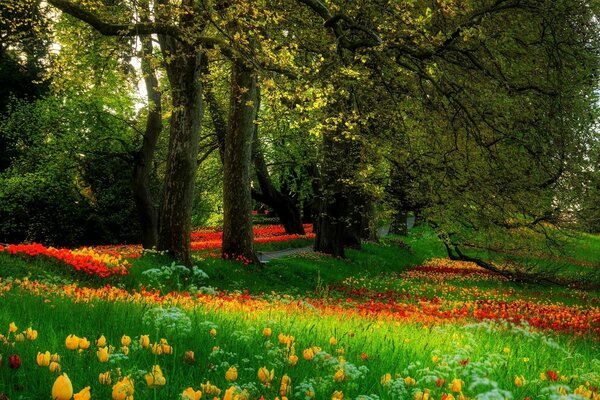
x=142, y=161
x=238, y=237
x=180, y=174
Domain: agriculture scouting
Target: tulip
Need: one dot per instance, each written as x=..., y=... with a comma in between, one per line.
x=104, y=378
x=72, y=342
x=54, y=367
x=84, y=394
x=14, y=361
x=308, y=354
x=519, y=381
x=265, y=376
x=43, y=359
x=55, y=357
x=145, y=341
x=102, y=354
x=447, y=396
x=337, y=395
x=267, y=332
x=12, y=328
x=125, y=340
x=456, y=385
x=231, y=374
x=229, y=393
x=332, y=341
x=191, y=394
x=552, y=375
x=84, y=344
x=19, y=337
x=339, y=376
x=386, y=379
x=123, y=390
x=101, y=342
x=409, y=381
x=189, y=357
x=62, y=388
x=31, y=334
x=155, y=378
x=286, y=383
x=125, y=350
x=213, y=332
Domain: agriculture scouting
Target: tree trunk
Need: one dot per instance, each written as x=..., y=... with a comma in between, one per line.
x=176, y=208
x=142, y=161
x=238, y=237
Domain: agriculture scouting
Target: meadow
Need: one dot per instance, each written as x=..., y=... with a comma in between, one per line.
x=396, y=320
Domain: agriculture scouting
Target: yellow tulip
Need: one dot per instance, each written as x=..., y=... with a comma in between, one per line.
x=155, y=378
x=31, y=334
x=104, y=378
x=267, y=332
x=308, y=354
x=286, y=383
x=339, y=376
x=435, y=359
x=54, y=367
x=19, y=337
x=229, y=393
x=386, y=379
x=101, y=342
x=519, y=380
x=12, y=328
x=189, y=357
x=102, y=354
x=84, y=344
x=409, y=381
x=55, y=357
x=293, y=359
x=337, y=395
x=191, y=394
x=231, y=374
x=265, y=376
x=62, y=388
x=157, y=349
x=125, y=340
x=210, y=389
x=123, y=390
x=125, y=350
x=43, y=359
x=332, y=341
x=145, y=341
x=84, y=394
x=72, y=342
x=456, y=385
x=213, y=332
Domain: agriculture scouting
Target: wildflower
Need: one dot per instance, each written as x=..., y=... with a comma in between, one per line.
x=191, y=394
x=231, y=374
x=519, y=380
x=123, y=390
x=332, y=341
x=43, y=359
x=267, y=332
x=155, y=378
x=104, y=378
x=339, y=376
x=31, y=334
x=12, y=328
x=337, y=395
x=506, y=350
x=84, y=394
x=62, y=389
x=101, y=342
x=102, y=354
x=386, y=379
x=525, y=359
x=145, y=341
x=125, y=340
x=308, y=354
x=84, y=344
x=14, y=361
x=54, y=367
x=456, y=385
x=265, y=376
x=293, y=359
x=72, y=342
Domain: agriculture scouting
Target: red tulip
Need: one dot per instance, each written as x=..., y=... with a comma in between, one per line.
x=14, y=361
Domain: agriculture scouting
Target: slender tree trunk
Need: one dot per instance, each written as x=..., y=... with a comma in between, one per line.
x=176, y=208
x=238, y=237
x=142, y=161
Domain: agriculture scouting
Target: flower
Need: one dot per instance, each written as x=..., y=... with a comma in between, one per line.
x=447, y=396
x=125, y=350
x=123, y=390
x=125, y=340
x=265, y=376
x=386, y=379
x=54, y=367
x=519, y=380
x=286, y=383
x=364, y=356
x=552, y=375
x=14, y=361
x=267, y=332
x=189, y=357
x=62, y=389
x=229, y=393
x=409, y=381
x=456, y=385
x=339, y=376
x=157, y=349
x=191, y=394
x=43, y=359
x=19, y=337
x=104, y=378
x=102, y=354
x=332, y=341
x=308, y=354
x=506, y=350
x=293, y=359
x=31, y=334
x=155, y=378
x=213, y=332
x=72, y=342
x=12, y=328
x=84, y=394
x=422, y=395
x=84, y=344
x=145, y=341
x=101, y=342
x=231, y=374
x=337, y=395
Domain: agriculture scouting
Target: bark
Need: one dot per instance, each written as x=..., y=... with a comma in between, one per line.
x=176, y=208
x=142, y=160
x=238, y=236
